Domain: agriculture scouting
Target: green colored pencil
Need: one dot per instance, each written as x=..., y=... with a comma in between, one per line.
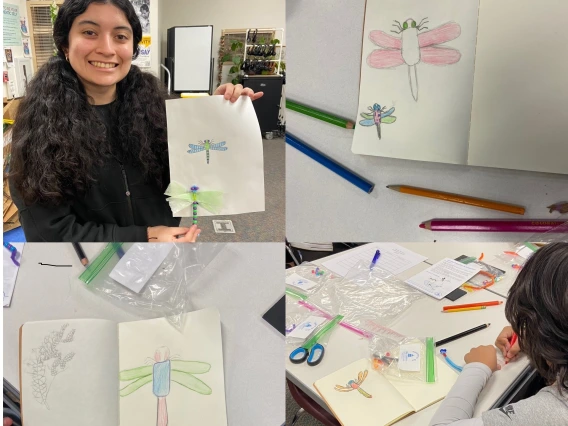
x=320, y=115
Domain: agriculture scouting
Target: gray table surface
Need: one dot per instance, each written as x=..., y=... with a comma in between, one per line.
x=243, y=282
x=324, y=39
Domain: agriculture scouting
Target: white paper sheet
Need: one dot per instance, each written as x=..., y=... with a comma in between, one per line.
x=443, y=277
x=200, y=340
x=435, y=127
x=139, y=264
x=83, y=390
x=11, y=272
x=238, y=171
x=520, y=100
x=299, y=282
x=394, y=258
x=307, y=327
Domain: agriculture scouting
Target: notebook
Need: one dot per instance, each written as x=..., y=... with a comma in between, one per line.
x=380, y=400
x=92, y=372
x=477, y=82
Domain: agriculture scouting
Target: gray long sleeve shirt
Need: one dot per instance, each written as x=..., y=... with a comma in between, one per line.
x=546, y=408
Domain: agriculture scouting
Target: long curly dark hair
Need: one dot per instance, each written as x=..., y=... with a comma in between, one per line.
x=58, y=139
x=537, y=309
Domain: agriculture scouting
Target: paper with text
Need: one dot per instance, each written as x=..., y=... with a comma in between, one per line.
x=443, y=277
x=394, y=258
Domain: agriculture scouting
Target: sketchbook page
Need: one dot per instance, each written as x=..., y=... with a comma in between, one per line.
x=68, y=373
x=216, y=146
x=359, y=396
x=168, y=374
x=520, y=99
x=442, y=278
x=394, y=258
x=417, y=79
x=420, y=394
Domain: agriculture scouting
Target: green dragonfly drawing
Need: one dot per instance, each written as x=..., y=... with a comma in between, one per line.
x=162, y=371
x=207, y=145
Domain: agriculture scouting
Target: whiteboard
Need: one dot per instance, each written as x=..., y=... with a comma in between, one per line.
x=192, y=58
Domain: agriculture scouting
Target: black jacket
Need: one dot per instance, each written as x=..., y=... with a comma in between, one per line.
x=105, y=213
x=119, y=207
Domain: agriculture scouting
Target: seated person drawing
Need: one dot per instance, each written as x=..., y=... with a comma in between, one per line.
x=89, y=156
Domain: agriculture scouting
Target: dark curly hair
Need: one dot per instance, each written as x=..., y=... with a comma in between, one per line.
x=537, y=308
x=58, y=139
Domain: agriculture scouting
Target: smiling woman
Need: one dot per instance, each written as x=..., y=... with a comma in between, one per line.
x=89, y=158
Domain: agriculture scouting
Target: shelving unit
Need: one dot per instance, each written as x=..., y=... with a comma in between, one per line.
x=279, y=46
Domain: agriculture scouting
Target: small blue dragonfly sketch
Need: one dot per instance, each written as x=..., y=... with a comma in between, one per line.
x=207, y=145
x=308, y=325
x=377, y=116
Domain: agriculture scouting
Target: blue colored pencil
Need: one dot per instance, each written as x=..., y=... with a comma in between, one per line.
x=331, y=164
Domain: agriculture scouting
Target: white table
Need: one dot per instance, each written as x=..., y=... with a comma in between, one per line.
x=423, y=318
x=324, y=39
x=243, y=282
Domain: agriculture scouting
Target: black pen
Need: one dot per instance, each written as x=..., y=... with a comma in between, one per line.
x=462, y=334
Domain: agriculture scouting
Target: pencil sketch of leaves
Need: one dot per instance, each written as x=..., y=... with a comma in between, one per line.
x=41, y=360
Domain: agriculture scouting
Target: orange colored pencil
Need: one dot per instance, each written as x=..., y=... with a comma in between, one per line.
x=473, y=308
x=456, y=198
x=473, y=305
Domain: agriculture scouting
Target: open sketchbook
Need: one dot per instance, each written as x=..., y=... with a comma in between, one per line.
x=476, y=82
x=376, y=399
x=92, y=372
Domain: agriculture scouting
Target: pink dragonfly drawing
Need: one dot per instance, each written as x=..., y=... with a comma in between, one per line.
x=414, y=47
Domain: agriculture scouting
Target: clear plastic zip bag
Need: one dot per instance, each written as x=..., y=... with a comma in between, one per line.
x=150, y=279
x=406, y=358
x=369, y=299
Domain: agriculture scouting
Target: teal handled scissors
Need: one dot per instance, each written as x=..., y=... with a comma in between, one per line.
x=311, y=349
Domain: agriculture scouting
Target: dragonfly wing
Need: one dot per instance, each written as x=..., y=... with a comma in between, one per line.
x=218, y=145
x=386, y=114
x=342, y=388
x=362, y=376
x=439, y=55
x=388, y=120
x=127, y=390
x=442, y=34
x=369, y=122
x=382, y=39
x=367, y=116
x=195, y=148
x=382, y=58
x=134, y=373
x=189, y=381
x=191, y=367
x=224, y=148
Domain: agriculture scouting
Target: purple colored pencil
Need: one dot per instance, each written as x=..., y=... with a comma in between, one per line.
x=483, y=225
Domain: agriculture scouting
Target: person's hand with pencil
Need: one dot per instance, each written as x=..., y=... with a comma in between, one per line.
x=508, y=344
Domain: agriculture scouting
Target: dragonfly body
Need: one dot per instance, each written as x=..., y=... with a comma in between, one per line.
x=378, y=116
x=410, y=47
x=357, y=387
x=206, y=145
x=414, y=46
x=164, y=370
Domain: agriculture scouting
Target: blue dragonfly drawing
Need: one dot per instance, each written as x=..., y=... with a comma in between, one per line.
x=207, y=145
x=378, y=116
